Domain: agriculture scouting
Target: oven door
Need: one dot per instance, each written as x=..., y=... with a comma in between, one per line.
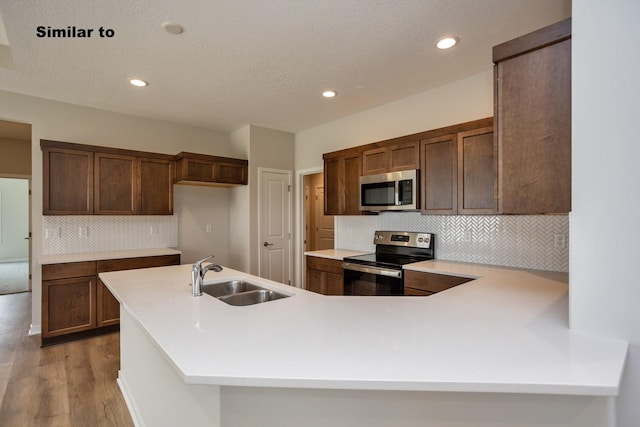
x=367, y=280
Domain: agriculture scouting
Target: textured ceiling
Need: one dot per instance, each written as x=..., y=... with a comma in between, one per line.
x=262, y=62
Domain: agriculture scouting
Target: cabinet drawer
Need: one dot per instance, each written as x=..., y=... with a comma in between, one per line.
x=67, y=270
x=135, y=263
x=325, y=264
x=431, y=282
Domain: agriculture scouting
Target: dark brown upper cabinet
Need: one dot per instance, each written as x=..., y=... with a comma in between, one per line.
x=114, y=184
x=391, y=156
x=201, y=169
x=477, y=172
x=342, y=170
x=458, y=171
x=90, y=180
x=154, y=185
x=439, y=175
x=533, y=121
x=68, y=181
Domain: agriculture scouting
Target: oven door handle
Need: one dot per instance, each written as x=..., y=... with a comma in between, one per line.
x=372, y=270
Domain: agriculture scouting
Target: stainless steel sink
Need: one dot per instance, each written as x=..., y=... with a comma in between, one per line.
x=228, y=288
x=239, y=292
x=252, y=297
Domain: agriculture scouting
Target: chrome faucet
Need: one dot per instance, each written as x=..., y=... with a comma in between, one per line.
x=198, y=272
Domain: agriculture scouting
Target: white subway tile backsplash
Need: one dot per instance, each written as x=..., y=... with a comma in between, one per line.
x=102, y=233
x=522, y=241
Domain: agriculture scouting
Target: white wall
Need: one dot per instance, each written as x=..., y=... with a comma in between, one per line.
x=604, y=280
x=71, y=123
x=14, y=219
x=266, y=148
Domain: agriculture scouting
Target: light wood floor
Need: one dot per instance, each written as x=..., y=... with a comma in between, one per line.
x=71, y=384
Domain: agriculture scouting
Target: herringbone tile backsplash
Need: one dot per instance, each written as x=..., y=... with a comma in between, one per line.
x=522, y=241
x=104, y=233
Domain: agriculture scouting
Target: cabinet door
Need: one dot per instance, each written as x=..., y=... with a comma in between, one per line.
x=404, y=156
x=335, y=284
x=342, y=184
x=115, y=177
x=477, y=172
x=230, y=172
x=154, y=187
x=196, y=170
x=68, y=305
x=352, y=171
x=439, y=175
x=533, y=117
x=67, y=182
x=375, y=161
x=333, y=186
x=107, y=307
x=316, y=281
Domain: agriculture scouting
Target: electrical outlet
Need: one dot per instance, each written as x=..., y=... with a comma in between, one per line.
x=84, y=232
x=559, y=241
x=468, y=236
x=153, y=229
x=209, y=228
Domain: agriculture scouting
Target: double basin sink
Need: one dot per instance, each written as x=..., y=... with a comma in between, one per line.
x=240, y=292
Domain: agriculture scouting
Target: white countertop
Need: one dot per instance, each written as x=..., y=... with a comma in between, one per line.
x=95, y=256
x=338, y=254
x=504, y=332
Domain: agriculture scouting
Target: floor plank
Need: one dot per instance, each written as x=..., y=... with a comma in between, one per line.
x=70, y=384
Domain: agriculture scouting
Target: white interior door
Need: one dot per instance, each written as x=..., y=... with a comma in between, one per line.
x=275, y=225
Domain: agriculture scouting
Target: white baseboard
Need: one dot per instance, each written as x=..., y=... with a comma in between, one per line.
x=122, y=384
x=35, y=329
x=9, y=261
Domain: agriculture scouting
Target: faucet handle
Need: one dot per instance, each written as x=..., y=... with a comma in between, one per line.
x=199, y=262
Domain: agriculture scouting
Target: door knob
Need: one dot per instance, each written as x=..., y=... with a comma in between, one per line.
x=265, y=244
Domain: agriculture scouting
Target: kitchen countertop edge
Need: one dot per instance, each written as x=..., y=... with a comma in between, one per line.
x=543, y=325
x=337, y=254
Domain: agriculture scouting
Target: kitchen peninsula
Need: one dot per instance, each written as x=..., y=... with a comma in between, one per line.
x=494, y=351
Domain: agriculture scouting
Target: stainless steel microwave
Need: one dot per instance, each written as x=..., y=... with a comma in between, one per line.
x=393, y=191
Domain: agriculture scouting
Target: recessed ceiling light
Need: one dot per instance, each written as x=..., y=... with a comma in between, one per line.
x=447, y=42
x=172, y=28
x=138, y=82
x=329, y=93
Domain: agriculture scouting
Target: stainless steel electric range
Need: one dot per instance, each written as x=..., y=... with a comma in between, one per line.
x=380, y=273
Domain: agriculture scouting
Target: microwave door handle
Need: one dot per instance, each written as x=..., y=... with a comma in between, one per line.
x=397, y=192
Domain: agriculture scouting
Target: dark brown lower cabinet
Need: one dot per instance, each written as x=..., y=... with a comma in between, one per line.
x=68, y=305
x=419, y=283
x=325, y=276
x=107, y=307
x=75, y=301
